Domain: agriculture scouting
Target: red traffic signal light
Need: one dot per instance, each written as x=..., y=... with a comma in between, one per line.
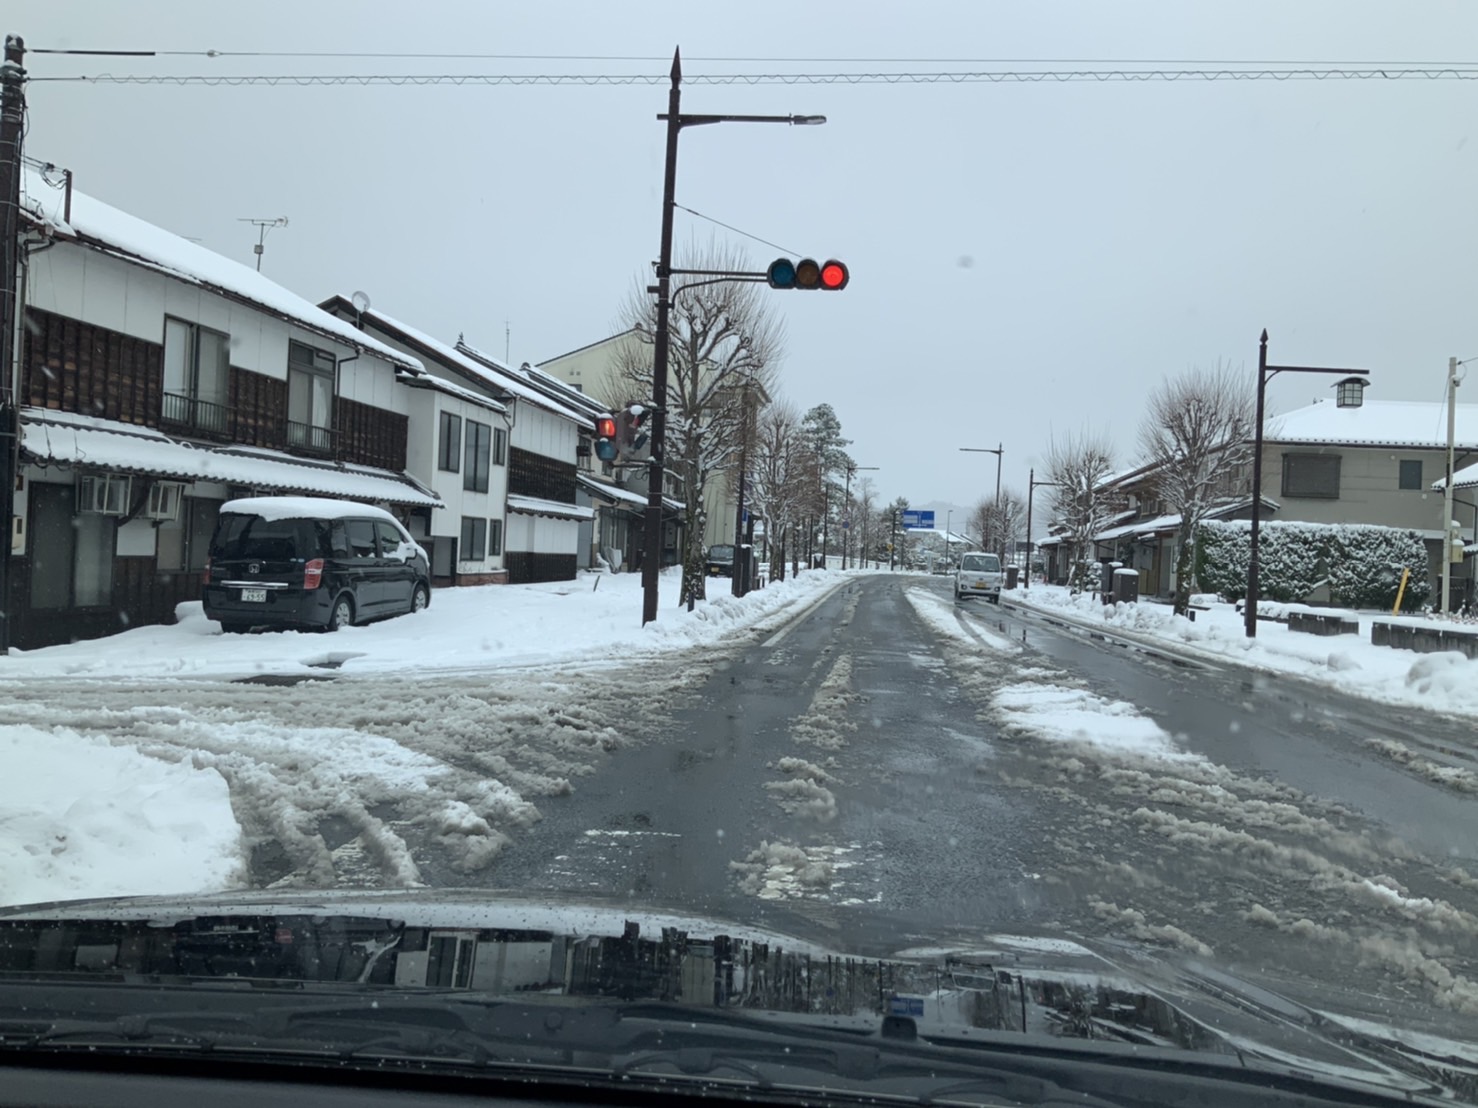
x=605, y=427
x=605, y=439
x=807, y=274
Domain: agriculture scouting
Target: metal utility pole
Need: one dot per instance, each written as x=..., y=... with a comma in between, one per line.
x=676, y=121
x=892, y=538
x=263, y=226
x=1031, y=488
x=999, y=451
x=1452, y=384
x=847, y=507
x=1265, y=373
x=12, y=116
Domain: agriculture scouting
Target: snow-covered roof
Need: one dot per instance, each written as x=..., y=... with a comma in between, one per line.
x=450, y=388
x=58, y=438
x=105, y=228
x=1464, y=478
x=1397, y=423
x=518, y=383
x=564, y=393
x=534, y=506
x=612, y=492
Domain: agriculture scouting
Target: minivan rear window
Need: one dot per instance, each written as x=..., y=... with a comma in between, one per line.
x=980, y=563
x=267, y=540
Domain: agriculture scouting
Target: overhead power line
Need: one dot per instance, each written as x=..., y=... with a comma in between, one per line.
x=1116, y=63
x=962, y=77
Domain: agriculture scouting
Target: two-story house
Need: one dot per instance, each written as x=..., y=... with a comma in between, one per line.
x=157, y=380
x=530, y=452
x=1352, y=460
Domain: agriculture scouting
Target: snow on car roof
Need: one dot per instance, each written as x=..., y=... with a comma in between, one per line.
x=132, y=238
x=304, y=507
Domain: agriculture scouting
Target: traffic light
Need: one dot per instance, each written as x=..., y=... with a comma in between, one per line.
x=605, y=439
x=807, y=274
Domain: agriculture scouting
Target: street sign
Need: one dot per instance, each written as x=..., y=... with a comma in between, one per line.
x=906, y=1005
x=914, y=518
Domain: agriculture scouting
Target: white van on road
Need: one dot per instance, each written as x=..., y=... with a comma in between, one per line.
x=979, y=575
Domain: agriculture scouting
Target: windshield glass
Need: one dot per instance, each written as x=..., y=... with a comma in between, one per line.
x=982, y=487
x=980, y=563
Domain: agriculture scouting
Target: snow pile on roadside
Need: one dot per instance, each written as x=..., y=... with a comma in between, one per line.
x=1440, y=682
x=594, y=617
x=81, y=818
x=1058, y=713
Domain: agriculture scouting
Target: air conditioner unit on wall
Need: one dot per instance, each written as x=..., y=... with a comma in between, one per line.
x=104, y=493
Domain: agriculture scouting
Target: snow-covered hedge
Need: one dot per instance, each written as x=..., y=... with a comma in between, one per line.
x=1361, y=563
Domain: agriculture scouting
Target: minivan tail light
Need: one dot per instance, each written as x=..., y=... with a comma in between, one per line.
x=313, y=574
x=205, y=577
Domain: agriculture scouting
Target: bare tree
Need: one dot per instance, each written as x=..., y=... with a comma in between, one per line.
x=999, y=524
x=1081, y=464
x=782, y=477
x=725, y=340
x=1197, y=437
x=865, y=499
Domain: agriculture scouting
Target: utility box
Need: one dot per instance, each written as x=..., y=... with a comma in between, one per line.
x=1012, y=572
x=1126, y=585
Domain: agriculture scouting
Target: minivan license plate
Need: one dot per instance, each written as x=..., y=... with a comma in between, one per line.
x=254, y=596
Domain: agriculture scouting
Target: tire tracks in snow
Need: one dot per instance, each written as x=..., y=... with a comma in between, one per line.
x=1169, y=847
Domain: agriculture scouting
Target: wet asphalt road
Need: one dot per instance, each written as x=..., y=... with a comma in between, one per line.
x=941, y=823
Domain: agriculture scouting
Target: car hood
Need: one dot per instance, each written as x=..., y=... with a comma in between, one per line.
x=1019, y=989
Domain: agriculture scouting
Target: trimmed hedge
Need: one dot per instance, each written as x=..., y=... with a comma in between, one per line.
x=1361, y=563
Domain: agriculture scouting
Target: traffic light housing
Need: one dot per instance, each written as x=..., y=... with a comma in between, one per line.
x=605, y=439
x=807, y=273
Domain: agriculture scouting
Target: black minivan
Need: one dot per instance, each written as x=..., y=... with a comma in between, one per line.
x=301, y=561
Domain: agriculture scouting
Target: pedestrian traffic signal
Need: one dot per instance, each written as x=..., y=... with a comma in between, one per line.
x=605, y=439
x=807, y=274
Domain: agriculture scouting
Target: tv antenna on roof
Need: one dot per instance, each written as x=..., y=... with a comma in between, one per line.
x=263, y=226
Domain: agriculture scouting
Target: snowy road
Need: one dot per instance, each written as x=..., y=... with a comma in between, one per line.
x=887, y=770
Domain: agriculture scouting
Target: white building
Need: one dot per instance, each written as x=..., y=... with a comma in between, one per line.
x=532, y=451
x=156, y=380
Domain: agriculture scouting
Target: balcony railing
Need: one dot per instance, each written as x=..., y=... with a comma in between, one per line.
x=309, y=436
x=188, y=411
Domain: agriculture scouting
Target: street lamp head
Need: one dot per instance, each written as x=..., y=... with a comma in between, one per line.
x=807, y=120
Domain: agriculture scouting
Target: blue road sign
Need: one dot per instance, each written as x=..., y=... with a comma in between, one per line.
x=917, y=518
x=906, y=1006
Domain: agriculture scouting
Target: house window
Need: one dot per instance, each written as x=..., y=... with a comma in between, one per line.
x=1411, y=473
x=107, y=494
x=196, y=376
x=71, y=553
x=1311, y=476
x=479, y=445
x=500, y=447
x=495, y=537
x=310, y=397
x=449, y=443
x=474, y=539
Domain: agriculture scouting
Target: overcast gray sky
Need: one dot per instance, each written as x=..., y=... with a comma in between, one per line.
x=1025, y=257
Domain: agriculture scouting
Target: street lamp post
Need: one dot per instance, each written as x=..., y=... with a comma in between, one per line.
x=1031, y=488
x=847, y=507
x=998, y=451
x=676, y=121
x=1265, y=373
x=948, y=528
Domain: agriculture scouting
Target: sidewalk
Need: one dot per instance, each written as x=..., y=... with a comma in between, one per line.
x=1446, y=683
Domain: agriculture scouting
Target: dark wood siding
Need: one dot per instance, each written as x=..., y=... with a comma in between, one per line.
x=142, y=595
x=78, y=367
x=531, y=474
x=258, y=409
x=370, y=436
x=525, y=567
